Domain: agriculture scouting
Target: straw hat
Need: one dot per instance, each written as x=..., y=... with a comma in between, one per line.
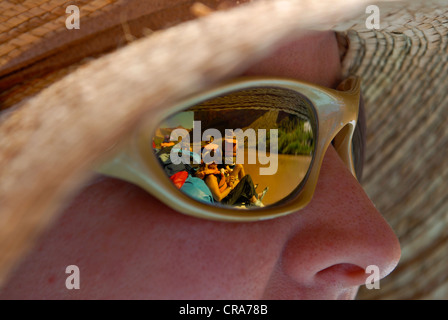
x=57, y=86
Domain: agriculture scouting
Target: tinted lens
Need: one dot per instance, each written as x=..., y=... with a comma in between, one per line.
x=258, y=141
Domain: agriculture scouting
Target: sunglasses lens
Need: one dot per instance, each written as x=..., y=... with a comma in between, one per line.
x=245, y=149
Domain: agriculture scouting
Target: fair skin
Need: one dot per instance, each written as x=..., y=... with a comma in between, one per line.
x=129, y=245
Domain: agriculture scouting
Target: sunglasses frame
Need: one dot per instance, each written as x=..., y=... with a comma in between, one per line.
x=336, y=113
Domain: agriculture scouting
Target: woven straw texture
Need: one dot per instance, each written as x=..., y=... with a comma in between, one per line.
x=403, y=65
x=405, y=73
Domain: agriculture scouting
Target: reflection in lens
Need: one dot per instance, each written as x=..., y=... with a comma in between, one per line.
x=247, y=149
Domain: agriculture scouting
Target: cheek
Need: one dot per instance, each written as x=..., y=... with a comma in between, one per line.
x=129, y=245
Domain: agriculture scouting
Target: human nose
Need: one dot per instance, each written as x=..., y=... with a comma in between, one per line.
x=340, y=233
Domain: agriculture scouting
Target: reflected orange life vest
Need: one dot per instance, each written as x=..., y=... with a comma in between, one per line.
x=222, y=185
x=167, y=144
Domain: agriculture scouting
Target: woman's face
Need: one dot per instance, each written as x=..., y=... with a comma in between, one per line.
x=129, y=245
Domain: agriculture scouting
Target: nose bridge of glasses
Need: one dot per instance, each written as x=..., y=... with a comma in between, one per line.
x=341, y=126
x=343, y=146
x=337, y=112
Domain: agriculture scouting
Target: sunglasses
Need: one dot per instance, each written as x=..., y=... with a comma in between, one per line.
x=247, y=150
